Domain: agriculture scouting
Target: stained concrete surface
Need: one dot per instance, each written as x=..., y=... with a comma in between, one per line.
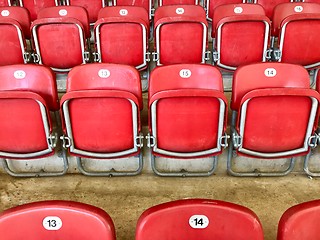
x=126, y=198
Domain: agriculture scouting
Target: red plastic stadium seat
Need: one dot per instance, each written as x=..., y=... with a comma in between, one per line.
x=146, y=4
x=177, y=2
x=187, y=111
x=300, y=222
x=14, y=28
x=180, y=34
x=93, y=7
x=195, y=219
x=27, y=96
x=60, y=37
x=4, y=3
x=275, y=114
x=269, y=5
x=211, y=5
x=52, y=220
x=121, y=36
x=34, y=6
x=297, y=26
x=241, y=33
x=101, y=112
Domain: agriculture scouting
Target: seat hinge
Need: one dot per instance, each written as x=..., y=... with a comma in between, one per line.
x=207, y=55
x=96, y=57
x=224, y=140
x=52, y=140
x=151, y=141
x=148, y=59
x=152, y=12
x=215, y=56
x=86, y=56
x=27, y=57
x=139, y=140
x=268, y=54
x=35, y=57
x=276, y=54
x=313, y=140
x=66, y=141
x=237, y=140
x=155, y=56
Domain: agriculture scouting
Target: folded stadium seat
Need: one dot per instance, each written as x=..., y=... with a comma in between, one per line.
x=93, y=7
x=269, y=5
x=177, y=2
x=274, y=114
x=34, y=6
x=297, y=26
x=121, y=36
x=146, y=4
x=60, y=37
x=4, y=3
x=187, y=115
x=28, y=94
x=195, y=219
x=306, y=167
x=14, y=29
x=101, y=112
x=241, y=33
x=210, y=5
x=180, y=35
x=55, y=219
x=300, y=222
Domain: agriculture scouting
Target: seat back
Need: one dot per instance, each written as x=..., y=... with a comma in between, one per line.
x=300, y=222
x=241, y=33
x=211, y=5
x=146, y=4
x=268, y=98
x=187, y=110
x=93, y=7
x=56, y=220
x=299, y=24
x=198, y=219
x=60, y=42
x=14, y=28
x=269, y=5
x=101, y=110
x=34, y=6
x=177, y=2
x=27, y=94
x=173, y=22
x=121, y=35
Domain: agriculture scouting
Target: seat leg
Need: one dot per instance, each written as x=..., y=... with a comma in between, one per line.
x=111, y=173
x=183, y=173
x=256, y=173
x=40, y=173
x=306, y=166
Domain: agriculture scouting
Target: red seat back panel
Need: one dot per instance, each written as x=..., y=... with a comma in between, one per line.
x=109, y=121
x=69, y=221
x=268, y=127
x=122, y=43
x=174, y=221
x=300, y=222
x=92, y=7
x=34, y=6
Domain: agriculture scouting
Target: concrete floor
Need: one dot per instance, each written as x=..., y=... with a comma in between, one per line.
x=126, y=198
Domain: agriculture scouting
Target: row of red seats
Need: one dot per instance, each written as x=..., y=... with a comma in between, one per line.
x=191, y=219
x=241, y=32
x=274, y=114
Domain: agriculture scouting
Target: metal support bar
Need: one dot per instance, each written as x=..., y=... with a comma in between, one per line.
x=254, y=173
x=183, y=172
x=112, y=172
x=306, y=166
x=37, y=174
